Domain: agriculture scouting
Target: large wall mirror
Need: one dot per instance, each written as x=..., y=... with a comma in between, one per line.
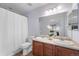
x=65, y=23
x=72, y=18
x=73, y=23
x=55, y=22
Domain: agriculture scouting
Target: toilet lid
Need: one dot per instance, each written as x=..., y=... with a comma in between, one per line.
x=25, y=45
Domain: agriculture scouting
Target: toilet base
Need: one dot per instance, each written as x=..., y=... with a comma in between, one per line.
x=26, y=51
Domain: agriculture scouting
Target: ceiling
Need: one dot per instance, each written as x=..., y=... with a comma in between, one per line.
x=24, y=8
x=21, y=8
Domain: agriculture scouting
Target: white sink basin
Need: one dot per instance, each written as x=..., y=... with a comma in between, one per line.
x=63, y=42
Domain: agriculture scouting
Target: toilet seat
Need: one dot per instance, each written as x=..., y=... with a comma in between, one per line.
x=26, y=45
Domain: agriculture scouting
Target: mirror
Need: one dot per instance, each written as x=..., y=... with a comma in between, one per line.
x=72, y=18
x=55, y=23
x=64, y=23
x=72, y=23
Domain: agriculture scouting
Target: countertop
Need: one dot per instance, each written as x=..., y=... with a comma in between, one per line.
x=59, y=42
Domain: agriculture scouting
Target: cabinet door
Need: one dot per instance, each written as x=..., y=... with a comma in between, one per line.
x=58, y=51
x=61, y=51
x=37, y=48
x=67, y=52
x=76, y=53
x=48, y=50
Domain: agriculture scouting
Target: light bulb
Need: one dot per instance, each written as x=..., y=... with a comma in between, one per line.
x=59, y=7
x=54, y=10
x=50, y=11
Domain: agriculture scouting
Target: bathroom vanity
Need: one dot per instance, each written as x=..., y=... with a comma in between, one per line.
x=54, y=47
x=58, y=45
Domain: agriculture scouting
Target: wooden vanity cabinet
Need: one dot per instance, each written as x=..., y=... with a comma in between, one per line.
x=67, y=52
x=37, y=48
x=44, y=49
x=48, y=50
x=58, y=51
x=61, y=51
x=76, y=53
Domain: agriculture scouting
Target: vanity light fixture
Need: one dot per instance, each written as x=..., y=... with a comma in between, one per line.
x=51, y=11
x=54, y=10
x=48, y=12
x=59, y=7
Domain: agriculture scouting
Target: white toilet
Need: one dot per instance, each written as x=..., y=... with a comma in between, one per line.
x=27, y=46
